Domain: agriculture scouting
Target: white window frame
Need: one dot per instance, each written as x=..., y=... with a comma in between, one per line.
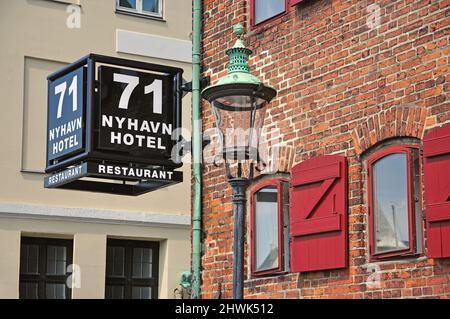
x=140, y=11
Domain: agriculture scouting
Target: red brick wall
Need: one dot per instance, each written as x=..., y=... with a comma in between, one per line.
x=342, y=88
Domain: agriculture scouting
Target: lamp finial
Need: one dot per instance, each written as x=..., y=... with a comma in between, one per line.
x=239, y=54
x=238, y=30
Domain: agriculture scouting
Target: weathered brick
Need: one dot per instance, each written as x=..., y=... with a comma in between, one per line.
x=342, y=88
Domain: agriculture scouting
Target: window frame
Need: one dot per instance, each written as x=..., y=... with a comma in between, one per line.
x=411, y=191
x=42, y=278
x=127, y=280
x=140, y=12
x=278, y=183
x=268, y=20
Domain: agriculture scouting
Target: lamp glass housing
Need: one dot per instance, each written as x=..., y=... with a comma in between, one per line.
x=239, y=119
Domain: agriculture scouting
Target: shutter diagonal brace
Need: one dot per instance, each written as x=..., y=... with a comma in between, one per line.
x=323, y=189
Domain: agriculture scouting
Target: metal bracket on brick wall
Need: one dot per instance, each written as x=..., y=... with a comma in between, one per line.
x=187, y=86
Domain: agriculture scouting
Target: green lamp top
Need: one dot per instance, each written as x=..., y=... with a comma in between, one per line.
x=239, y=78
x=238, y=69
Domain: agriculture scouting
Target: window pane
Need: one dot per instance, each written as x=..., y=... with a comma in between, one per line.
x=56, y=260
x=115, y=292
x=28, y=290
x=150, y=6
x=142, y=262
x=115, y=266
x=390, y=202
x=266, y=228
x=55, y=291
x=29, y=259
x=141, y=293
x=43, y=265
x=135, y=268
x=131, y=4
x=265, y=9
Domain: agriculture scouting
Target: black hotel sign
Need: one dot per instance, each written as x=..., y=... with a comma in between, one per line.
x=110, y=125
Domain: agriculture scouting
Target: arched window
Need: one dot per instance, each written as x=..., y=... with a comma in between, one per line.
x=269, y=233
x=394, y=202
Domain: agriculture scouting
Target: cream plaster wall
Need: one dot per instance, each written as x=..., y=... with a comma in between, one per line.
x=35, y=41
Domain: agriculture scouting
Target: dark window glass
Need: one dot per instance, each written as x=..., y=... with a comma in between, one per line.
x=29, y=259
x=390, y=202
x=131, y=269
x=55, y=291
x=144, y=7
x=141, y=293
x=270, y=227
x=28, y=290
x=115, y=292
x=142, y=263
x=115, y=261
x=266, y=228
x=150, y=6
x=264, y=9
x=131, y=4
x=43, y=268
x=56, y=260
x=395, y=202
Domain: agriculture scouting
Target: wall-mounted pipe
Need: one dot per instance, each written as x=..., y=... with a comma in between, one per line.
x=196, y=148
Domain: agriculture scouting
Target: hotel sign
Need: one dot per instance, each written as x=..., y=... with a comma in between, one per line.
x=134, y=117
x=113, y=119
x=66, y=114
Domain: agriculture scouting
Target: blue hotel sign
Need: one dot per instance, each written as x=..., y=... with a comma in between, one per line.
x=111, y=119
x=66, y=114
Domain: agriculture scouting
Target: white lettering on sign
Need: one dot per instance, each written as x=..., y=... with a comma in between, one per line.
x=64, y=144
x=65, y=129
x=143, y=173
x=140, y=127
x=66, y=118
x=61, y=89
x=132, y=82
x=73, y=91
x=63, y=135
x=128, y=139
x=156, y=88
x=65, y=175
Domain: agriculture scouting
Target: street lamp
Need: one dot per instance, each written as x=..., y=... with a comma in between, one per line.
x=239, y=102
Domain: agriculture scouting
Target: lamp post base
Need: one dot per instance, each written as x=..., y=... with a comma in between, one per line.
x=239, y=186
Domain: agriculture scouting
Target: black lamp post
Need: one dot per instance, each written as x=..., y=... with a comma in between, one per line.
x=239, y=102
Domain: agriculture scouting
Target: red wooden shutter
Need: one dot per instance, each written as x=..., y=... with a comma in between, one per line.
x=294, y=2
x=318, y=215
x=436, y=151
